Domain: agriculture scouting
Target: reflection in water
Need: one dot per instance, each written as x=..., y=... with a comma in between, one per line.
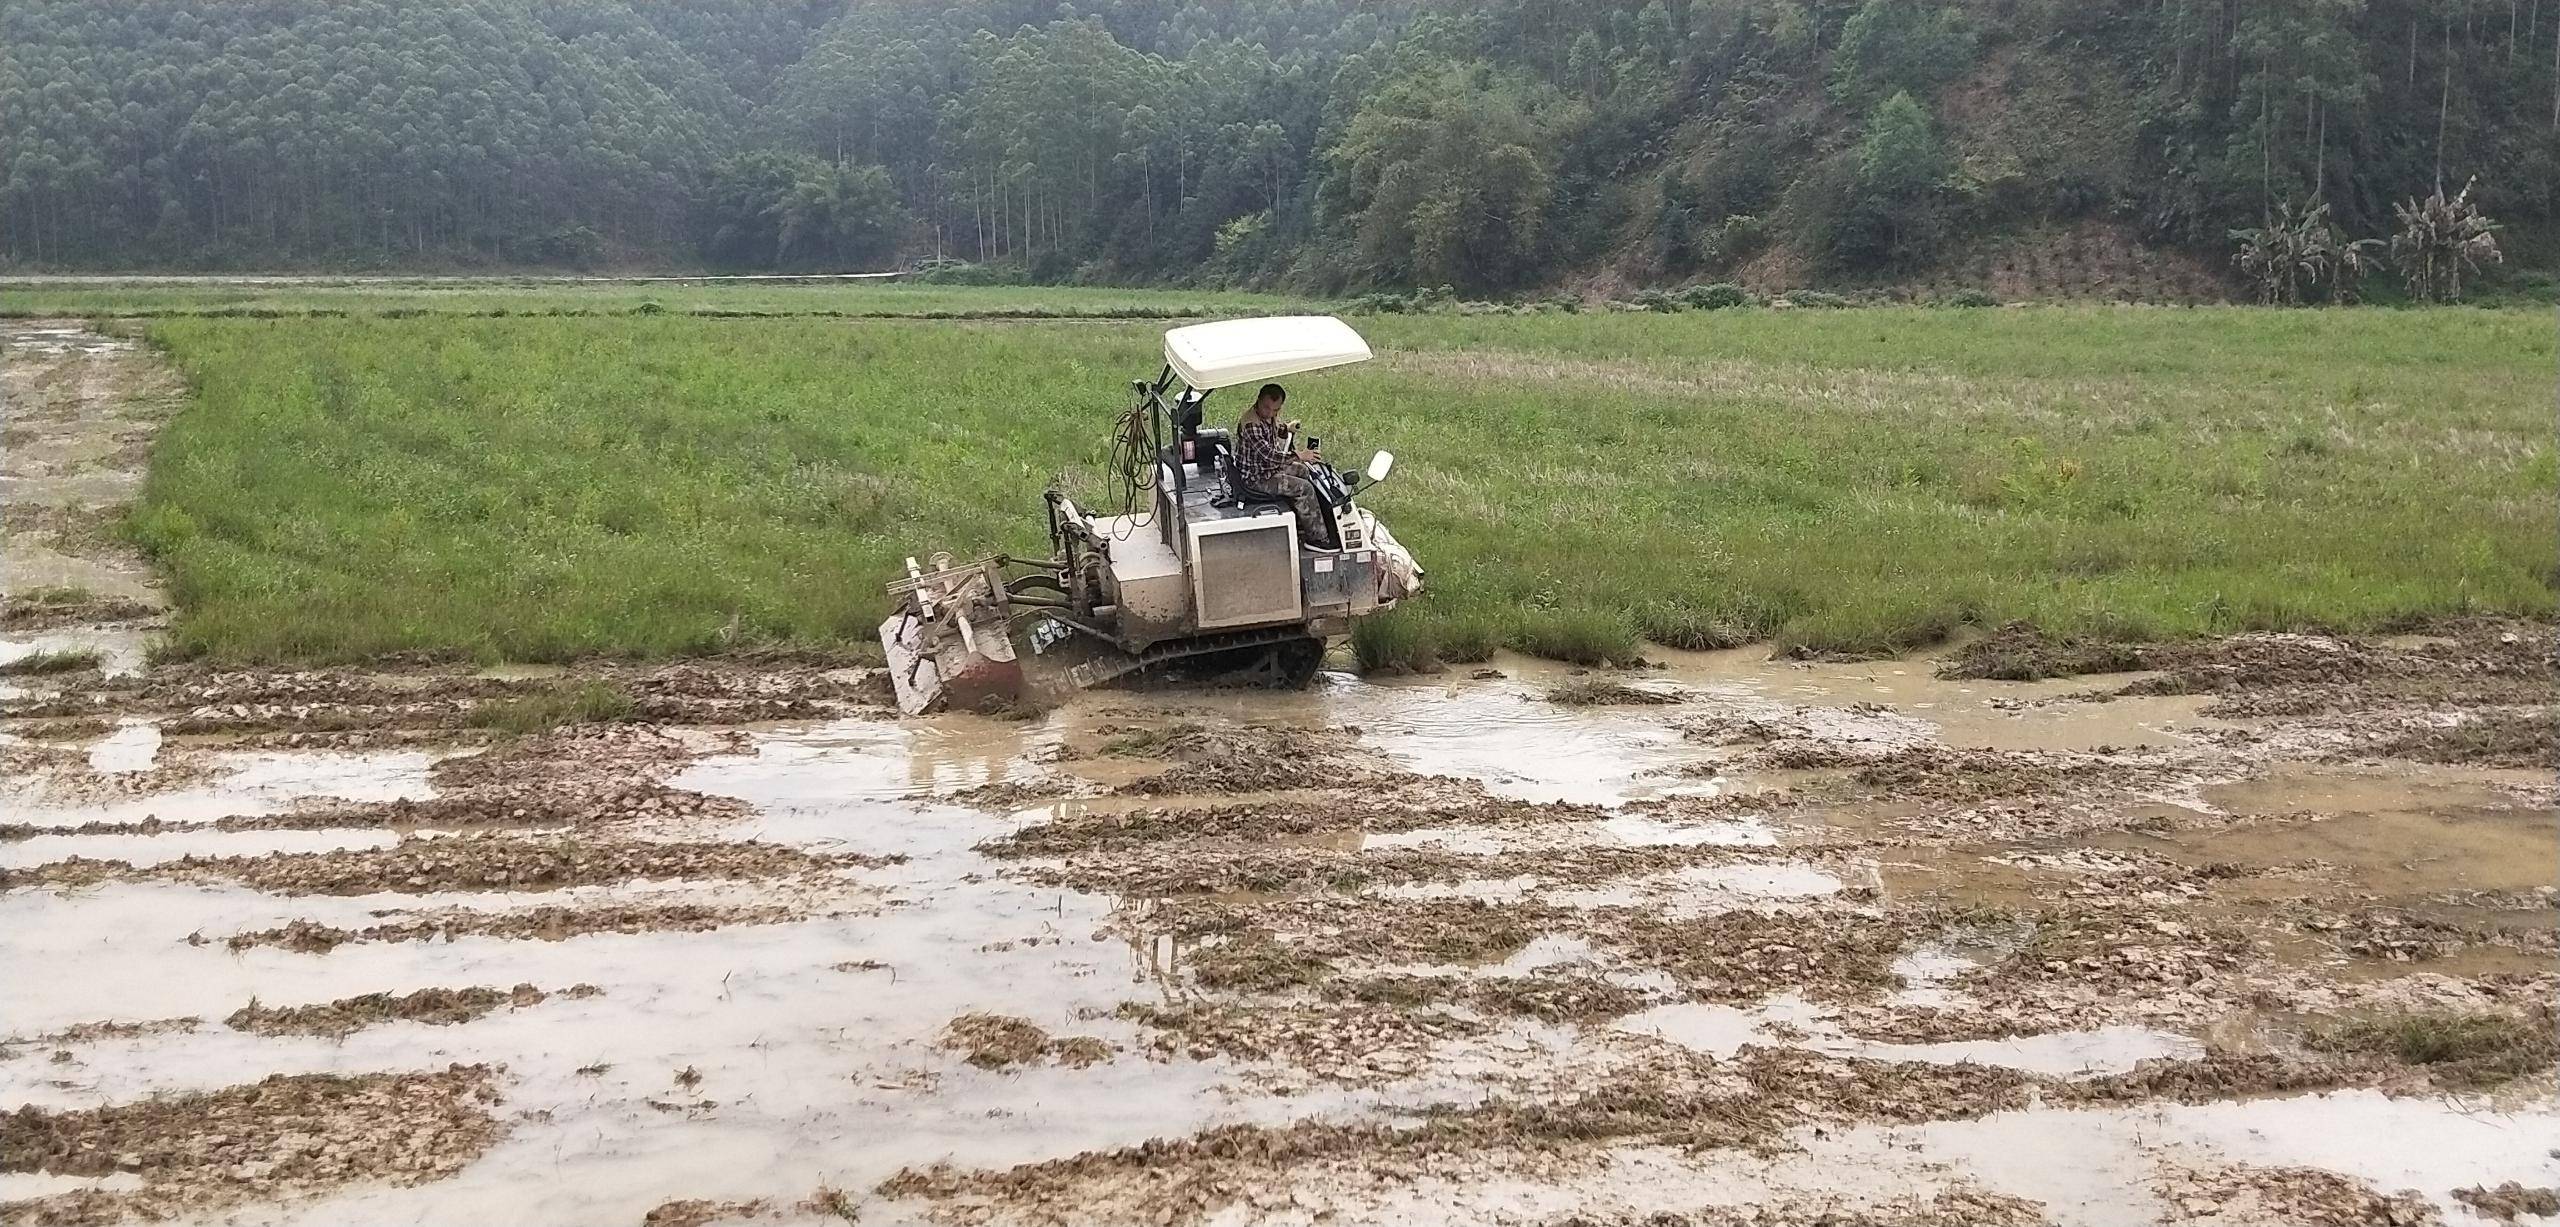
x=132, y=747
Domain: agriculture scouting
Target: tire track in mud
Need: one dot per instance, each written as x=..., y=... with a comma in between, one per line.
x=80, y=410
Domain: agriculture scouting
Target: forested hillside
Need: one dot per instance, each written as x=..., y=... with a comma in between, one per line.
x=1318, y=144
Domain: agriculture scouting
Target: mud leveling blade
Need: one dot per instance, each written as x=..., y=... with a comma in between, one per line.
x=950, y=643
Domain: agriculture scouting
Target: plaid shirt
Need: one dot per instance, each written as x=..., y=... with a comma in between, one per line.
x=1259, y=455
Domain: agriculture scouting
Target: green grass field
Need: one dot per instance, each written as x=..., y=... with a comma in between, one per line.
x=1859, y=481
x=500, y=297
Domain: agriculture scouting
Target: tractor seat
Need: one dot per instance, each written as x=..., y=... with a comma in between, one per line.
x=1254, y=498
x=1242, y=495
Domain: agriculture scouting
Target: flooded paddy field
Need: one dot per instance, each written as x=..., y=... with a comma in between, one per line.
x=2228, y=932
x=1782, y=941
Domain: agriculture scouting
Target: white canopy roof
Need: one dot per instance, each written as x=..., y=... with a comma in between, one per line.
x=1230, y=352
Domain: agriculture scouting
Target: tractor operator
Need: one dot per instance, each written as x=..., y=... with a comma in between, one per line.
x=1267, y=467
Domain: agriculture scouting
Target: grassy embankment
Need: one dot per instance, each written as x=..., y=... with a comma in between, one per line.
x=1857, y=481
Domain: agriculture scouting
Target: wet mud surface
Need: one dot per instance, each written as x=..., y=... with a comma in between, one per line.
x=2263, y=931
x=1797, y=942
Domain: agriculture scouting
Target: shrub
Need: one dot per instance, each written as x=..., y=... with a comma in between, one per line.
x=1738, y=238
x=2289, y=257
x=1813, y=298
x=1969, y=298
x=584, y=703
x=2440, y=239
x=1466, y=641
x=1656, y=300
x=961, y=272
x=1689, y=630
x=2462, y=1049
x=67, y=660
x=1714, y=297
x=1580, y=636
x=1393, y=643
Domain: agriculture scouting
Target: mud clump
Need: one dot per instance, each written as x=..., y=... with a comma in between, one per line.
x=1265, y=947
x=997, y=1041
x=397, y=695
x=2218, y=1075
x=621, y=752
x=2511, y=1201
x=2019, y=652
x=83, y=729
x=1938, y=774
x=1015, y=794
x=1179, y=868
x=1605, y=692
x=436, y=1007
x=1738, y=958
x=699, y=1212
x=19, y=613
x=2301, y=1195
x=1168, y=1180
x=1798, y=1087
x=1957, y=1207
x=1414, y=930
x=2496, y=739
x=1253, y=960
x=1335, y=1043
x=60, y=775
x=1443, y=804
x=547, y=923
x=1544, y=995
x=11, y=832
x=2398, y=936
x=289, y=1135
x=462, y=862
x=627, y=804
x=2120, y=951
x=1263, y=758
x=2483, y=662
x=991, y=1041
x=2456, y=1050
x=90, y=1033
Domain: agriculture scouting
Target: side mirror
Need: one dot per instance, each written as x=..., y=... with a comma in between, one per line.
x=1381, y=464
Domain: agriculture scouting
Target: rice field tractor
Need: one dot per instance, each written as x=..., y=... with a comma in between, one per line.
x=1195, y=577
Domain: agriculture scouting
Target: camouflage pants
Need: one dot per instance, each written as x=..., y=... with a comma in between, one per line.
x=1313, y=524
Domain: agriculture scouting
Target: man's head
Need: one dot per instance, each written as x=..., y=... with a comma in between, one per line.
x=1267, y=402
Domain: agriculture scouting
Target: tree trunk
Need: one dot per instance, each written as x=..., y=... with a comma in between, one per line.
x=2320, y=157
x=2444, y=101
x=2267, y=133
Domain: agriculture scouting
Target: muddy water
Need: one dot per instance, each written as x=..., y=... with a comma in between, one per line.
x=230, y=783
x=2405, y=829
x=812, y=1042
x=2098, y=1167
x=1963, y=714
